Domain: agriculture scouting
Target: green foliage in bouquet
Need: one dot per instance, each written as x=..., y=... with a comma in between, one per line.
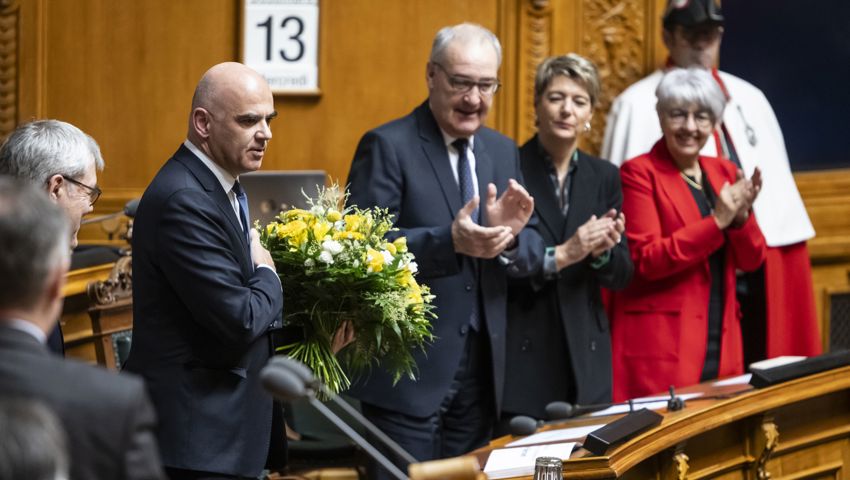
x=336, y=265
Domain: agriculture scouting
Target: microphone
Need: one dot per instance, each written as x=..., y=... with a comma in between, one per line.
x=131, y=207
x=523, y=425
x=559, y=410
x=129, y=210
x=284, y=381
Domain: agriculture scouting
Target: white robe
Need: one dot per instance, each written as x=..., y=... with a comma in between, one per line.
x=632, y=128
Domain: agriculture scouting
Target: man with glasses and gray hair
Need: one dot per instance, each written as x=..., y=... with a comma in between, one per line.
x=108, y=417
x=429, y=169
x=64, y=161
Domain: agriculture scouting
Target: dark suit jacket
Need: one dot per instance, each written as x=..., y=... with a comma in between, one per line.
x=201, y=323
x=108, y=417
x=404, y=166
x=558, y=328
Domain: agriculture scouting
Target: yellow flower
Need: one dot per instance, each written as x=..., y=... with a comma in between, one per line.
x=374, y=260
x=400, y=244
x=348, y=236
x=405, y=278
x=333, y=215
x=295, y=213
x=353, y=222
x=390, y=248
x=295, y=231
x=270, y=229
x=320, y=229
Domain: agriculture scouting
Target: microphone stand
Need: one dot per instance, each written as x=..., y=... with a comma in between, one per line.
x=358, y=439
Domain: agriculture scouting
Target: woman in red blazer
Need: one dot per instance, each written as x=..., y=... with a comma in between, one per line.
x=690, y=227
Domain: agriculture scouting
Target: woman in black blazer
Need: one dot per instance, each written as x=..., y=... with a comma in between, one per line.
x=558, y=345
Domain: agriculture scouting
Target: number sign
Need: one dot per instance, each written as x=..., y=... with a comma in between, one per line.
x=280, y=40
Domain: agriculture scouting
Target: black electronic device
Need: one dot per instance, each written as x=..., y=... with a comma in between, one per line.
x=771, y=376
x=599, y=440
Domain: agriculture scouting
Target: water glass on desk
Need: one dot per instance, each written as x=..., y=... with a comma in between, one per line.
x=548, y=468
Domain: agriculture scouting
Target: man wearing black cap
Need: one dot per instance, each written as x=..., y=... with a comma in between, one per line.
x=777, y=301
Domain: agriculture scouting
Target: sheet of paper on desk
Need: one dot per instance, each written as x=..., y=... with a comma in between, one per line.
x=739, y=380
x=556, y=435
x=652, y=403
x=518, y=462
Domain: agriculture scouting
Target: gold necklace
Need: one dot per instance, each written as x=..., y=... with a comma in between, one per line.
x=690, y=182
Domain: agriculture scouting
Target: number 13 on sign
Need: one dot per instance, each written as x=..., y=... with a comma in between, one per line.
x=280, y=40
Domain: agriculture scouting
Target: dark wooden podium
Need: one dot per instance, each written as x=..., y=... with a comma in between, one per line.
x=796, y=430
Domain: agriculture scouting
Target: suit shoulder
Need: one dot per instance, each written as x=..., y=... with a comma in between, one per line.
x=492, y=137
x=393, y=128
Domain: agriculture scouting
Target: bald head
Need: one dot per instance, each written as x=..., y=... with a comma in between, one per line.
x=231, y=110
x=226, y=81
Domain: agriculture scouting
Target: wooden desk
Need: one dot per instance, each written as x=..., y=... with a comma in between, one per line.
x=796, y=430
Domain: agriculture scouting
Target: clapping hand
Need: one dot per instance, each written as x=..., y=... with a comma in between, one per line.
x=512, y=209
x=473, y=240
x=735, y=201
x=594, y=237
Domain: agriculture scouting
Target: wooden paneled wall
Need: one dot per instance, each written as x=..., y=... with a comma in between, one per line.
x=124, y=72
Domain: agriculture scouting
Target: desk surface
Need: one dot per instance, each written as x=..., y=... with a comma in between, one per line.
x=729, y=431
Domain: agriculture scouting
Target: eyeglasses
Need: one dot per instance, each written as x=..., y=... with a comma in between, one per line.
x=463, y=84
x=94, y=192
x=678, y=117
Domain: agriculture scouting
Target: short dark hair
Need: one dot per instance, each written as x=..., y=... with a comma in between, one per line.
x=33, y=444
x=34, y=236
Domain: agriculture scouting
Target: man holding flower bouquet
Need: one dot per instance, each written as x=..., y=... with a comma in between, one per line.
x=429, y=169
x=205, y=292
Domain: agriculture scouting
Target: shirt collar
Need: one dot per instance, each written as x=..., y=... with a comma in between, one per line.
x=448, y=139
x=226, y=179
x=27, y=327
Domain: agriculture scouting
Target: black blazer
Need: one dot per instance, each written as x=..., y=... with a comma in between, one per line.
x=108, y=417
x=404, y=166
x=201, y=318
x=558, y=329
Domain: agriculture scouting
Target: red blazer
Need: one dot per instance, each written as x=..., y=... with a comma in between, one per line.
x=659, y=323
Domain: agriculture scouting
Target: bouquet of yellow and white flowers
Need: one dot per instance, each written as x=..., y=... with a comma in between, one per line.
x=336, y=265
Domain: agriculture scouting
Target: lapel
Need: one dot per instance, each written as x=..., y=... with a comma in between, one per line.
x=437, y=154
x=582, y=196
x=213, y=188
x=540, y=186
x=672, y=185
x=485, y=174
x=715, y=174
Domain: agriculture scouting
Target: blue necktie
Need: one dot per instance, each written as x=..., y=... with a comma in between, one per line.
x=243, y=209
x=467, y=191
x=464, y=174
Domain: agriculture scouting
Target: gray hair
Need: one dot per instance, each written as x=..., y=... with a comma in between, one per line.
x=465, y=32
x=37, y=150
x=33, y=444
x=34, y=236
x=573, y=66
x=690, y=86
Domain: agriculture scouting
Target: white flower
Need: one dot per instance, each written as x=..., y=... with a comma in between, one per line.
x=388, y=257
x=332, y=246
x=309, y=262
x=326, y=257
x=413, y=267
x=317, y=210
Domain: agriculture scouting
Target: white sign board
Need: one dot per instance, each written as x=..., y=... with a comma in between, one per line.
x=280, y=39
